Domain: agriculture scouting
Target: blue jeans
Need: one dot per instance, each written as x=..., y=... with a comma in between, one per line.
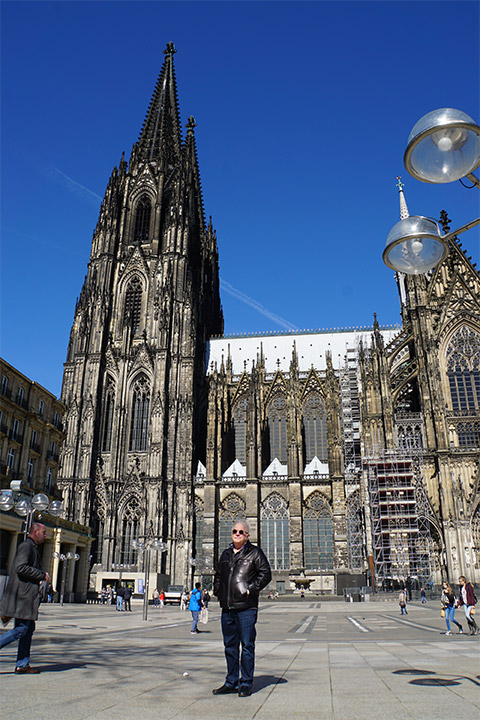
x=22, y=631
x=450, y=615
x=403, y=610
x=195, y=616
x=238, y=628
x=119, y=602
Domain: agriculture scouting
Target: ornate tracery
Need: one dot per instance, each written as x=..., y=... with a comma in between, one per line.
x=139, y=414
x=231, y=510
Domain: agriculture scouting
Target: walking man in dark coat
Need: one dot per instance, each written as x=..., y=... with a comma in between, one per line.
x=242, y=572
x=22, y=597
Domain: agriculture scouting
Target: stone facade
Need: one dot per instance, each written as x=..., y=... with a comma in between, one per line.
x=174, y=431
x=31, y=438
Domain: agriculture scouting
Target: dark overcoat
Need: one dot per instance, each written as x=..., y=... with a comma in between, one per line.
x=22, y=594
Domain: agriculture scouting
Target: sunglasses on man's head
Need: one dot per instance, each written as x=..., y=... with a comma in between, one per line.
x=239, y=532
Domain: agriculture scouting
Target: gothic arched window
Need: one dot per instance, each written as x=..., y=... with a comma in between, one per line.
x=133, y=304
x=108, y=408
x=317, y=533
x=240, y=427
x=355, y=530
x=274, y=517
x=231, y=510
x=463, y=370
x=142, y=220
x=277, y=426
x=476, y=536
x=315, y=427
x=139, y=414
x=130, y=531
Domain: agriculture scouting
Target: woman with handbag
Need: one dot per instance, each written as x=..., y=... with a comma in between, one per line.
x=468, y=599
x=448, y=607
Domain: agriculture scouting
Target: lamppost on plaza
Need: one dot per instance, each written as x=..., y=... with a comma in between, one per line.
x=65, y=559
x=145, y=546
x=443, y=146
x=25, y=504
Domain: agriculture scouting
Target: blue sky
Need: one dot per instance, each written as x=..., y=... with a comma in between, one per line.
x=303, y=110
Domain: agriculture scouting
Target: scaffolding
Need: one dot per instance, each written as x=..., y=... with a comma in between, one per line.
x=352, y=459
x=401, y=530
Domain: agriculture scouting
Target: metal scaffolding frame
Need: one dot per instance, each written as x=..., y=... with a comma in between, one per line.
x=352, y=458
x=399, y=511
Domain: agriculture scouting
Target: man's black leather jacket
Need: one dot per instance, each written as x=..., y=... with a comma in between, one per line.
x=239, y=572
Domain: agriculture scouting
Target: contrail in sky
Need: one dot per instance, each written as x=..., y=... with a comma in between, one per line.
x=71, y=184
x=79, y=189
x=239, y=295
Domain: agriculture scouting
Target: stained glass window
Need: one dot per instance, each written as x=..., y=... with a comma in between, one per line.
x=315, y=427
x=275, y=531
x=317, y=533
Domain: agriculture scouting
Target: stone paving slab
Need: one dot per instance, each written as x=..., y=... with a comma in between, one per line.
x=312, y=662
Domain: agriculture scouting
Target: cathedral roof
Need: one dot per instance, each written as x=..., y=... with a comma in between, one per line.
x=311, y=348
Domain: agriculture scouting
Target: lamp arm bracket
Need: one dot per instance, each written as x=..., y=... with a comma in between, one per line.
x=473, y=178
x=462, y=229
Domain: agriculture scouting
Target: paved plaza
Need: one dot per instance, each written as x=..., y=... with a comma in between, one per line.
x=315, y=659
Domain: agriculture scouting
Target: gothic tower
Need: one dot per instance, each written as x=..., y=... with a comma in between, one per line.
x=134, y=381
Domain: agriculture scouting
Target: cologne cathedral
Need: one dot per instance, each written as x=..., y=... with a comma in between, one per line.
x=353, y=454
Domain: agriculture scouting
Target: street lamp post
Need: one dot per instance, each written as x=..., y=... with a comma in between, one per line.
x=65, y=559
x=25, y=504
x=145, y=546
x=443, y=146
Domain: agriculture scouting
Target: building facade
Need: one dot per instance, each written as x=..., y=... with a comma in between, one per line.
x=354, y=454
x=31, y=439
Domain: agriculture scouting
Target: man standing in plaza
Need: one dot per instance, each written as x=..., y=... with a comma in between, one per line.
x=22, y=597
x=242, y=572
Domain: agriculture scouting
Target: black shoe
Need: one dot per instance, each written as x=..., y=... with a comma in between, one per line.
x=244, y=691
x=225, y=690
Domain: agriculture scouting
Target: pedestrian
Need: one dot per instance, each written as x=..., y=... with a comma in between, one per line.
x=195, y=605
x=162, y=598
x=183, y=601
x=468, y=599
x=423, y=596
x=448, y=606
x=22, y=597
x=103, y=596
x=205, y=599
x=156, y=598
x=119, y=598
x=127, y=594
x=49, y=593
x=242, y=572
x=402, y=601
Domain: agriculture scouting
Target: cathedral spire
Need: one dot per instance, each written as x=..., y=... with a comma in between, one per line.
x=403, y=203
x=160, y=137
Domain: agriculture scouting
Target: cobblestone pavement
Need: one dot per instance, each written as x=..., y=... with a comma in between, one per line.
x=315, y=659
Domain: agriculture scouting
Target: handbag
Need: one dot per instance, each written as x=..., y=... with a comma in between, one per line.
x=442, y=612
x=204, y=616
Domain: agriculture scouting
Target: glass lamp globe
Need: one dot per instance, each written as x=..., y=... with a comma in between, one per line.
x=76, y=556
x=56, y=508
x=6, y=501
x=443, y=146
x=40, y=501
x=414, y=246
x=70, y=555
x=22, y=507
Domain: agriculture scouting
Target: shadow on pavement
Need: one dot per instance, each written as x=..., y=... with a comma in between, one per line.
x=434, y=681
x=263, y=681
